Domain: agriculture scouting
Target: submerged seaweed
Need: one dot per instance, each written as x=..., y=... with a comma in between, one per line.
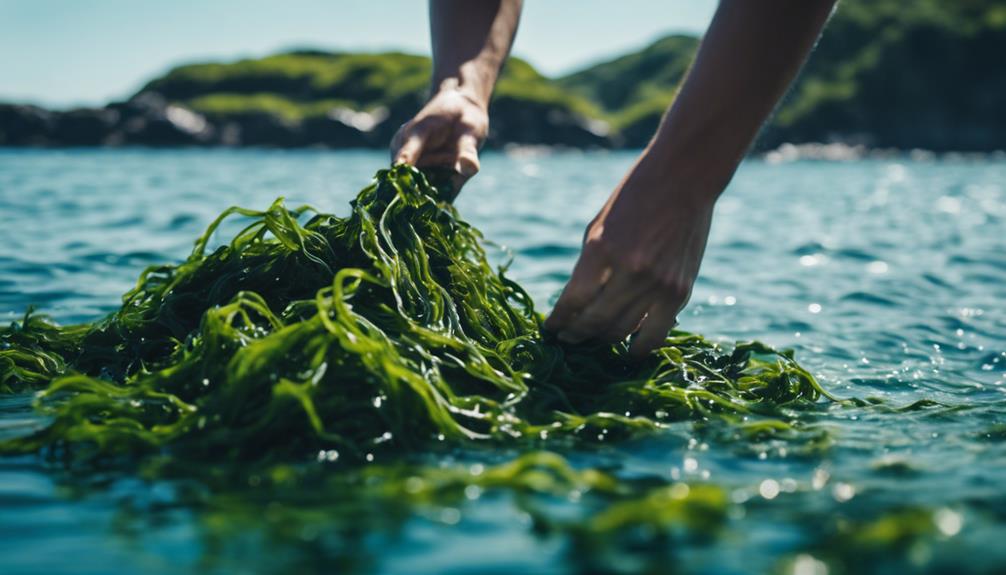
x=251, y=381
x=384, y=330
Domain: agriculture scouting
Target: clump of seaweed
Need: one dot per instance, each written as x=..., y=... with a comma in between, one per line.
x=383, y=330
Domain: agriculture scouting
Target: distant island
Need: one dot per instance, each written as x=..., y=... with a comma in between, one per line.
x=924, y=75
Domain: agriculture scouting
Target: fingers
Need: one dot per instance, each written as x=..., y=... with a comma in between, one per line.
x=467, y=163
x=410, y=150
x=588, y=277
x=659, y=320
x=417, y=145
x=628, y=321
x=609, y=304
x=608, y=308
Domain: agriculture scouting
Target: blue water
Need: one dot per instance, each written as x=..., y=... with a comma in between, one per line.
x=886, y=276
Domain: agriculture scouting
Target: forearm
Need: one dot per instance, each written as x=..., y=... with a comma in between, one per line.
x=748, y=58
x=471, y=40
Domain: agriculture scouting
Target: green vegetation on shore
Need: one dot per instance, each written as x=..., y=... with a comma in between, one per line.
x=298, y=83
x=919, y=75
x=884, y=74
x=634, y=90
x=303, y=85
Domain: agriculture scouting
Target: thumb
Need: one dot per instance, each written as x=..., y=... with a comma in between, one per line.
x=467, y=163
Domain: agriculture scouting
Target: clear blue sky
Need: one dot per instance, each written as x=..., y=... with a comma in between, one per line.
x=70, y=52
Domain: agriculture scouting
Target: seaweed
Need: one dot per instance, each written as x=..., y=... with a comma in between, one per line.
x=383, y=331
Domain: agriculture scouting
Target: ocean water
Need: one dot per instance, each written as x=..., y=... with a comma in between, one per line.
x=887, y=277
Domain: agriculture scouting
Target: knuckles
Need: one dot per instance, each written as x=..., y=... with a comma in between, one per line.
x=574, y=299
x=639, y=265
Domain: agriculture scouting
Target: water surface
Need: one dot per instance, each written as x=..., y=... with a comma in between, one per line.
x=885, y=276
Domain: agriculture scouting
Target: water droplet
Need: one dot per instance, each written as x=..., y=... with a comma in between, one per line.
x=820, y=478
x=328, y=455
x=812, y=260
x=805, y=564
x=877, y=267
x=843, y=492
x=450, y=516
x=949, y=205
x=679, y=491
x=769, y=488
x=414, y=485
x=949, y=522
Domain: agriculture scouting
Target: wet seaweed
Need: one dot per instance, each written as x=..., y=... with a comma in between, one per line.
x=253, y=380
x=382, y=331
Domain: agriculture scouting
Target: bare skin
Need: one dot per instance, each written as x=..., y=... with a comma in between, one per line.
x=642, y=252
x=471, y=40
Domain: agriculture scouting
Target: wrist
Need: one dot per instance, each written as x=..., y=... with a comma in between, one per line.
x=694, y=164
x=470, y=86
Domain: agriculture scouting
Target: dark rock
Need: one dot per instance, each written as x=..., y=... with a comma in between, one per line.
x=22, y=125
x=148, y=120
x=84, y=126
x=638, y=132
x=399, y=111
x=144, y=103
x=524, y=122
x=343, y=128
x=262, y=129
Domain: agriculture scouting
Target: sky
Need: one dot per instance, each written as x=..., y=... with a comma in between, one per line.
x=87, y=52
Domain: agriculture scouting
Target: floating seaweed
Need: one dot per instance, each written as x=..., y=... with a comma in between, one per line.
x=383, y=330
x=317, y=382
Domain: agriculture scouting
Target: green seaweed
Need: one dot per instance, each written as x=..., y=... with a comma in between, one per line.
x=317, y=384
x=383, y=330
x=328, y=517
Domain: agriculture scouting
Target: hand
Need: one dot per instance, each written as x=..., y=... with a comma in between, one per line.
x=640, y=257
x=447, y=132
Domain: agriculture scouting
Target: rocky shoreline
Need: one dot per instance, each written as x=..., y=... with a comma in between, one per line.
x=149, y=119
x=882, y=77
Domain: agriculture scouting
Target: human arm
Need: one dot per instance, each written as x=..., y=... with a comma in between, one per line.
x=471, y=40
x=642, y=252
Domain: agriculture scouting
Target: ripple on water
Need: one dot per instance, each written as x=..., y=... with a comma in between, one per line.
x=935, y=442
